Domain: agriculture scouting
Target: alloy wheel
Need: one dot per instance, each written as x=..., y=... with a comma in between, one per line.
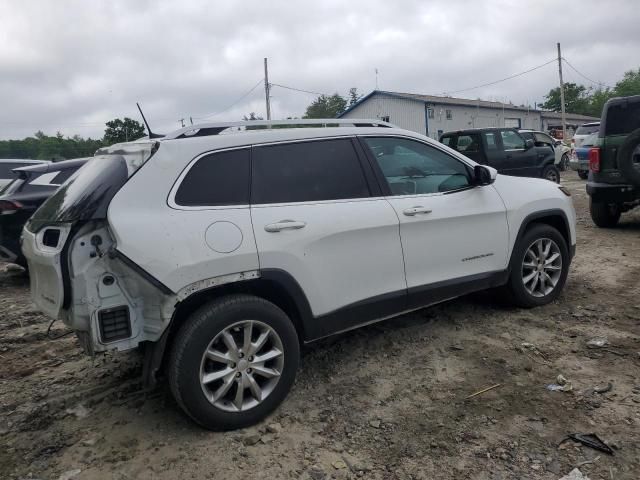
x=541, y=267
x=241, y=366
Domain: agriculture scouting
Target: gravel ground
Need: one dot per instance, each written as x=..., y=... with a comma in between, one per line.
x=383, y=402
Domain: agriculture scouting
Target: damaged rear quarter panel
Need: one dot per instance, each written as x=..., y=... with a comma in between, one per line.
x=150, y=309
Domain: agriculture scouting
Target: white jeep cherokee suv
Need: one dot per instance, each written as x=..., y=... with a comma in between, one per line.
x=221, y=247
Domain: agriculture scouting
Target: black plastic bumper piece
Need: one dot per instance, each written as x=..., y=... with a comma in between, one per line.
x=612, y=193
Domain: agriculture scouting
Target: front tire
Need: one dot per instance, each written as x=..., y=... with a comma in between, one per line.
x=539, y=266
x=564, y=162
x=551, y=173
x=604, y=215
x=233, y=362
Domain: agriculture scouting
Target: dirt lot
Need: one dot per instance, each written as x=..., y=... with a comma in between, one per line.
x=383, y=402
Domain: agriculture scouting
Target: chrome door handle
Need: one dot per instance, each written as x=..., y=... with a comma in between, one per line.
x=410, y=212
x=284, y=225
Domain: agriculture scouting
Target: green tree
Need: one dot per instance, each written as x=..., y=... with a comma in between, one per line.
x=326, y=107
x=629, y=85
x=354, y=96
x=575, y=99
x=124, y=130
x=252, y=116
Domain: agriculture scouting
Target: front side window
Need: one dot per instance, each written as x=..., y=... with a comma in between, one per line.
x=307, y=172
x=412, y=167
x=543, y=140
x=511, y=140
x=220, y=178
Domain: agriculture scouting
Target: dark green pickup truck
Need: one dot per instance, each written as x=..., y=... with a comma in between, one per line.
x=614, y=162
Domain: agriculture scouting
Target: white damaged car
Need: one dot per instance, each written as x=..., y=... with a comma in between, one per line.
x=220, y=248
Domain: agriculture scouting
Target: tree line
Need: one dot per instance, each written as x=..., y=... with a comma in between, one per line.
x=588, y=100
x=58, y=147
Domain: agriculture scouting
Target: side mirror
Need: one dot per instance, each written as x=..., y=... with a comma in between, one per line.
x=528, y=144
x=557, y=143
x=484, y=175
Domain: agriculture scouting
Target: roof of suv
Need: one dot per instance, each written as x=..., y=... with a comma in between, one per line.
x=479, y=129
x=224, y=128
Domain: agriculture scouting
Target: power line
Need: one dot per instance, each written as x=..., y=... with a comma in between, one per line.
x=583, y=75
x=502, y=79
x=233, y=104
x=303, y=91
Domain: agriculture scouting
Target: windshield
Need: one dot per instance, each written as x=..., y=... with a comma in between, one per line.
x=590, y=140
x=587, y=129
x=86, y=195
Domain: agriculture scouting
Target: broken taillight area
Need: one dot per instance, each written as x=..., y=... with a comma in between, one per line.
x=8, y=207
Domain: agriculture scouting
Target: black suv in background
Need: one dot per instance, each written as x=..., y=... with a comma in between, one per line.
x=506, y=150
x=614, y=162
x=28, y=190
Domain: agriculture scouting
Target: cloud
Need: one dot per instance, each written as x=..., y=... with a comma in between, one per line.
x=70, y=66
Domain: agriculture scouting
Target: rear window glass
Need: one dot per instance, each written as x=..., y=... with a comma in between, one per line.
x=11, y=187
x=63, y=176
x=446, y=140
x=587, y=129
x=87, y=194
x=6, y=169
x=221, y=178
x=307, y=171
x=622, y=118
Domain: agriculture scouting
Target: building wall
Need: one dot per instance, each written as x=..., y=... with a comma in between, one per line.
x=407, y=114
x=412, y=115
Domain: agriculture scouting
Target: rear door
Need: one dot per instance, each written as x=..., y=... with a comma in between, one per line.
x=316, y=218
x=468, y=144
x=450, y=230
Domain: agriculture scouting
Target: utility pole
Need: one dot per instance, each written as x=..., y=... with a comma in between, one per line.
x=266, y=89
x=564, y=117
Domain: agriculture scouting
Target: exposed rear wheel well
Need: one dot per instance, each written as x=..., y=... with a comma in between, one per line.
x=270, y=290
x=267, y=289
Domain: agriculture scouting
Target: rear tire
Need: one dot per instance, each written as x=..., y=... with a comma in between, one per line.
x=551, y=173
x=604, y=215
x=549, y=278
x=213, y=358
x=583, y=175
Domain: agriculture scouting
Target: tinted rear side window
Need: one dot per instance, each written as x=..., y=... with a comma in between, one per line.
x=622, y=118
x=221, y=178
x=307, y=171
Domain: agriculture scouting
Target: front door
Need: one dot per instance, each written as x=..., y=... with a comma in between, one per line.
x=518, y=159
x=315, y=218
x=451, y=231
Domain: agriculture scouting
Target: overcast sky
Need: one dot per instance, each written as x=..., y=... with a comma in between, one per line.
x=69, y=66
